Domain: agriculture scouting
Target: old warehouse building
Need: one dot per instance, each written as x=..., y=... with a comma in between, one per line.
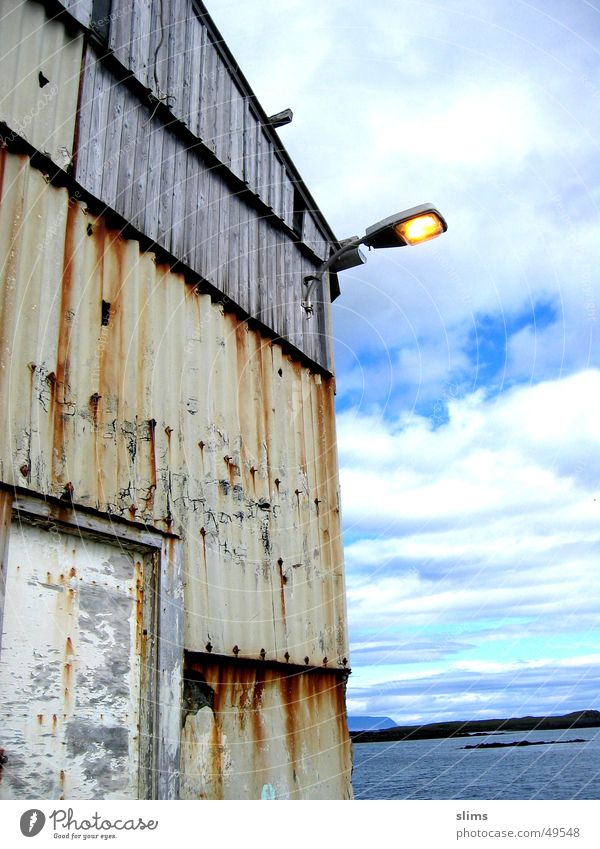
x=172, y=595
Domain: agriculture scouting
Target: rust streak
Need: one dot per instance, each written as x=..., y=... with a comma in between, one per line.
x=283, y=582
x=60, y=385
x=94, y=403
x=139, y=607
x=152, y=436
x=203, y=535
x=291, y=699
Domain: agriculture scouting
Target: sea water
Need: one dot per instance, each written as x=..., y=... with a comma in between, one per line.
x=443, y=769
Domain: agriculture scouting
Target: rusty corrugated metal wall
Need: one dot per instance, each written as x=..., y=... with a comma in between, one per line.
x=265, y=733
x=139, y=397
x=128, y=391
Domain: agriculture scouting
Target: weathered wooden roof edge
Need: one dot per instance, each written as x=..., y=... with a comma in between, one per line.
x=78, y=13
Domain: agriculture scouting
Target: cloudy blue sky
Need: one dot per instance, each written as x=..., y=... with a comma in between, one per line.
x=468, y=369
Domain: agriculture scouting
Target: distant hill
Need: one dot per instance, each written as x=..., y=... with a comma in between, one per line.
x=369, y=723
x=576, y=719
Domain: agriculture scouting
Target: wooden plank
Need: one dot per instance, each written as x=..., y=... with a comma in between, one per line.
x=157, y=137
x=158, y=51
x=202, y=84
x=311, y=235
x=99, y=111
x=127, y=155
x=222, y=270
x=245, y=260
x=120, y=31
x=84, y=156
x=266, y=280
x=251, y=265
x=195, y=61
x=255, y=152
x=187, y=229
x=238, y=108
x=211, y=231
x=144, y=68
x=140, y=174
x=316, y=339
x=249, y=159
x=288, y=201
x=134, y=23
x=223, y=114
x=177, y=57
x=209, y=90
x=276, y=192
x=265, y=156
x=283, y=321
x=232, y=281
x=113, y=150
x=166, y=181
x=179, y=224
x=261, y=268
x=201, y=195
x=258, y=148
x=293, y=289
x=189, y=67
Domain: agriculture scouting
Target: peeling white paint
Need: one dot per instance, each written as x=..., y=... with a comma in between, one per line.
x=69, y=669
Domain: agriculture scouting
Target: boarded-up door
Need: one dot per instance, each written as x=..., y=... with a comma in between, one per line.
x=73, y=667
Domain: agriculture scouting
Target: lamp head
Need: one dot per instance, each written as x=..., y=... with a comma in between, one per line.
x=409, y=227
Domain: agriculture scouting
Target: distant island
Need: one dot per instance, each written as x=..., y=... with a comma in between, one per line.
x=519, y=743
x=478, y=727
x=370, y=723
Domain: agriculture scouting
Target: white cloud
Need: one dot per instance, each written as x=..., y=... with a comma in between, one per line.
x=526, y=430
x=482, y=534
x=474, y=127
x=479, y=691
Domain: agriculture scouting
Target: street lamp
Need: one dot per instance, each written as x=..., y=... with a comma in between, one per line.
x=409, y=227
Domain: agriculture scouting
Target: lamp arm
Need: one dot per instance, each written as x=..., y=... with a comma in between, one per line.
x=311, y=280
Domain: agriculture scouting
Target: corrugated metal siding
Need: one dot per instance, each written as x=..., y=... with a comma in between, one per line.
x=136, y=166
x=142, y=398
x=262, y=733
x=40, y=69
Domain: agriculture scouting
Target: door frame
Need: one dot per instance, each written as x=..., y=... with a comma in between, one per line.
x=162, y=621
